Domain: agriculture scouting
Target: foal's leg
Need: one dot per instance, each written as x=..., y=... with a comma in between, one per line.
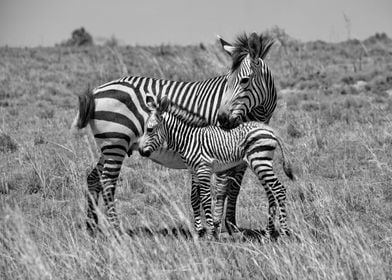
x=204, y=178
x=228, y=186
x=279, y=191
x=235, y=176
x=220, y=197
x=195, y=202
x=263, y=169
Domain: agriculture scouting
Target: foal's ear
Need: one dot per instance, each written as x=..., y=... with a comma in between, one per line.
x=150, y=102
x=164, y=104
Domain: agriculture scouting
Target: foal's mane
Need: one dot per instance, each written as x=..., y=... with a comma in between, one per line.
x=257, y=46
x=189, y=118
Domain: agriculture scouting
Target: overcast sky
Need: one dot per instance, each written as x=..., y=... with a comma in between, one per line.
x=46, y=22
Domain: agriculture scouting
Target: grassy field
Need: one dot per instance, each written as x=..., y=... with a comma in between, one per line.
x=334, y=112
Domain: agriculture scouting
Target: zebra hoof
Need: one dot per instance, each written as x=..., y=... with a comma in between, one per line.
x=201, y=233
x=273, y=235
x=92, y=229
x=215, y=234
x=286, y=232
x=291, y=235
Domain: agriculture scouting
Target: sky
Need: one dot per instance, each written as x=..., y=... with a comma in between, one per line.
x=147, y=22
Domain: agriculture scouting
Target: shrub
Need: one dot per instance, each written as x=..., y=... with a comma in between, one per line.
x=112, y=42
x=79, y=37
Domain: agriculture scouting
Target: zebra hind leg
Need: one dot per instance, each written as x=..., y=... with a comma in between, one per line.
x=266, y=175
x=280, y=193
x=271, y=231
x=110, y=173
x=94, y=187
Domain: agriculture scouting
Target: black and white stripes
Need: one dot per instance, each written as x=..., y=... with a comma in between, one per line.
x=117, y=114
x=211, y=149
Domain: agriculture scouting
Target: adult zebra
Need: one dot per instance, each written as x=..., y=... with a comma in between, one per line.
x=117, y=113
x=207, y=149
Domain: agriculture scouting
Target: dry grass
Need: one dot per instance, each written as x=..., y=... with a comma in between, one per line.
x=338, y=132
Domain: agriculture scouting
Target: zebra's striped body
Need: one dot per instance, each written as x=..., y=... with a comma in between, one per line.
x=211, y=149
x=117, y=114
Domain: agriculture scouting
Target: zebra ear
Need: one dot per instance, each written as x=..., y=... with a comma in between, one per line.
x=150, y=102
x=226, y=45
x=164, y=104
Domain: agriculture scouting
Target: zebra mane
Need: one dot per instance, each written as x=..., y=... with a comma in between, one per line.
x=189, y=118
x=257, y=46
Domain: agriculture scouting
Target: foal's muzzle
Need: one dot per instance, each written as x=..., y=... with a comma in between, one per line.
x=144, y=152
x=227, y=121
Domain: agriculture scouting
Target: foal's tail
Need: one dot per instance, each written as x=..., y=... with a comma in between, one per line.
x=288, y=170
x=85, y=113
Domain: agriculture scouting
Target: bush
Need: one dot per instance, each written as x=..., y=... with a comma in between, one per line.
x=79, y=37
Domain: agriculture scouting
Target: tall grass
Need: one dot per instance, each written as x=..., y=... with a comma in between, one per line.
x=339, y=136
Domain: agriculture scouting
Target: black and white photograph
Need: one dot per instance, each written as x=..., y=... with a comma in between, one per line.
x=203, y=139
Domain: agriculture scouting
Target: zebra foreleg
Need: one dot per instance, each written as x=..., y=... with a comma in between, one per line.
x=233, y=186
x=220, y=197
x=195, y=202
x=204, y=178
x=94, y=187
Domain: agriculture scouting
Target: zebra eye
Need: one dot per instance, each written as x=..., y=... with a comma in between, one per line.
x=244, y=81
x=150, y=129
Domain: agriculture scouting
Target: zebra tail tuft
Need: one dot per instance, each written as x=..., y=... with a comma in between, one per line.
x=288, y=170
x=85, y=113
x=287, y=167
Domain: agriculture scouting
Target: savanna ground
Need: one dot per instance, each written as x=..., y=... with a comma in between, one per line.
x=334, y=112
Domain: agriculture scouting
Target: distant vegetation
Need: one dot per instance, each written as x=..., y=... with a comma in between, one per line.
x=79, y=37
x=334, y=112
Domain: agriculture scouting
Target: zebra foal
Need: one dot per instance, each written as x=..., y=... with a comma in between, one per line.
x=210, y=149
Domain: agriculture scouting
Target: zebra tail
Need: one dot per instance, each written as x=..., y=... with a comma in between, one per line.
x=85, y=113
x=287, y=167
